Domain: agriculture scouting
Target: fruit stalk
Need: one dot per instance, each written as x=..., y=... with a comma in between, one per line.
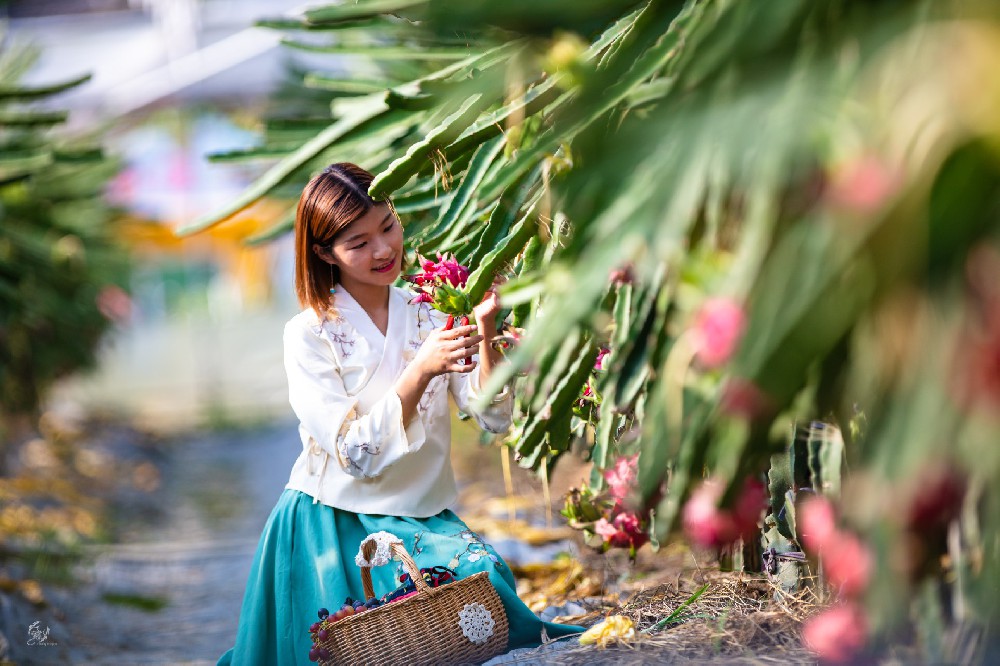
x=465, y=322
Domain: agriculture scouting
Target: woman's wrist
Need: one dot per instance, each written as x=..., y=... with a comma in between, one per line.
x=424, y=375
x=410, y=387
x=418, y=373
x=487, y=328
x=488, y=356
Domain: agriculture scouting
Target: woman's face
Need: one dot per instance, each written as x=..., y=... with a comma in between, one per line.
x=369, y=251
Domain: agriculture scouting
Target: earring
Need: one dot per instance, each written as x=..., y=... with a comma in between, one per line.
x=333, y=289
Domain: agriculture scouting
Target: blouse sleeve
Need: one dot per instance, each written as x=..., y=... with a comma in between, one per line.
x=366, y=444
x=497, y=416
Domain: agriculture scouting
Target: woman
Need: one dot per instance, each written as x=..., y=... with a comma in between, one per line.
x=369, y=373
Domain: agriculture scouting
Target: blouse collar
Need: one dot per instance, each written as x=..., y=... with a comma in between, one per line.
x=344, y=303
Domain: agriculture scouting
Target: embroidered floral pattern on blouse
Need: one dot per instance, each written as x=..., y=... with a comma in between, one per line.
x=346, y=461
x=342, y=335
x=424, y=322
x=424, y=327
x=427, y=399
x=350, y=462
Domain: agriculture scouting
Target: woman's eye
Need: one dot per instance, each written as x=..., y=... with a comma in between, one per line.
x=358, y=247
x=389, y=228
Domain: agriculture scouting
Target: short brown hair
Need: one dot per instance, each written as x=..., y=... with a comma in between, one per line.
x=334, y=198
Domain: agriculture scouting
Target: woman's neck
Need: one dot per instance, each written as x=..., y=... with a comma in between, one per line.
x=373, y=298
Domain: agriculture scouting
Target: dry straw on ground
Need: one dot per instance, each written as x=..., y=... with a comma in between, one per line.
x=737, y=619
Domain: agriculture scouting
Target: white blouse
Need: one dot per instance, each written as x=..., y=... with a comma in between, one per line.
x=356, y=453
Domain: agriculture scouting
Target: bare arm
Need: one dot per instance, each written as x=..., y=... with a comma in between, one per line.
x=486, y=320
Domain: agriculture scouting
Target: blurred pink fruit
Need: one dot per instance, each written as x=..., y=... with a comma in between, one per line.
x=938, y=498
x=710, y=526
x=837, y=634
x=704, y=522
x=624, y=530
x=847, y=563
x=742, y=398
x=817, y=523
x=718, y=326
x=750, y=503
x=976, y=379
x=622, y=276
x=621, y=477
x=863, y=186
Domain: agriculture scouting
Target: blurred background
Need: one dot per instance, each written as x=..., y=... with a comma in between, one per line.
x=133, y=361
x=174, y=80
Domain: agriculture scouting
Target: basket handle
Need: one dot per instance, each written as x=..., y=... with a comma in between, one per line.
x=368, y=547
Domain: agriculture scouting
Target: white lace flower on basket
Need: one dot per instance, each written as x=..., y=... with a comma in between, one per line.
x=476, y=622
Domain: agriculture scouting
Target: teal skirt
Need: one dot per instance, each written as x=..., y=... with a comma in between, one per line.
x=305, y=561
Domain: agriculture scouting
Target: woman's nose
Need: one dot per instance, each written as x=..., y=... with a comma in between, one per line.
x=381, y=250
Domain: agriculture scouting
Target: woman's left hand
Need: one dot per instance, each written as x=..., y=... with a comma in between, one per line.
x=486, y=312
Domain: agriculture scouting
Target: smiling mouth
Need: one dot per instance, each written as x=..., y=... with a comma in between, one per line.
x=385, y=267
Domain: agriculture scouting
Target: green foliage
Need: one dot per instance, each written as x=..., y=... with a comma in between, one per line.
x=811, y=162
x=59, y=255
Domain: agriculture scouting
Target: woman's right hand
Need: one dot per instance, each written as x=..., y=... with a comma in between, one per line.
x=443, y=351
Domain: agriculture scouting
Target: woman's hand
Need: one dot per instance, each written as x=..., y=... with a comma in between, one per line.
x=443, y=351
x=486, y=312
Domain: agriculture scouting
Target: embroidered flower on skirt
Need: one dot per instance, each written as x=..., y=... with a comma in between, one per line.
x=475, y=550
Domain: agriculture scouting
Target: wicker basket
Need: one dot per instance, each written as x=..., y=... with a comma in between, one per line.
x=462, y=622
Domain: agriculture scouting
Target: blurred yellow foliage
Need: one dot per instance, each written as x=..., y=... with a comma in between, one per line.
x=225, y=243
x=541, y=585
